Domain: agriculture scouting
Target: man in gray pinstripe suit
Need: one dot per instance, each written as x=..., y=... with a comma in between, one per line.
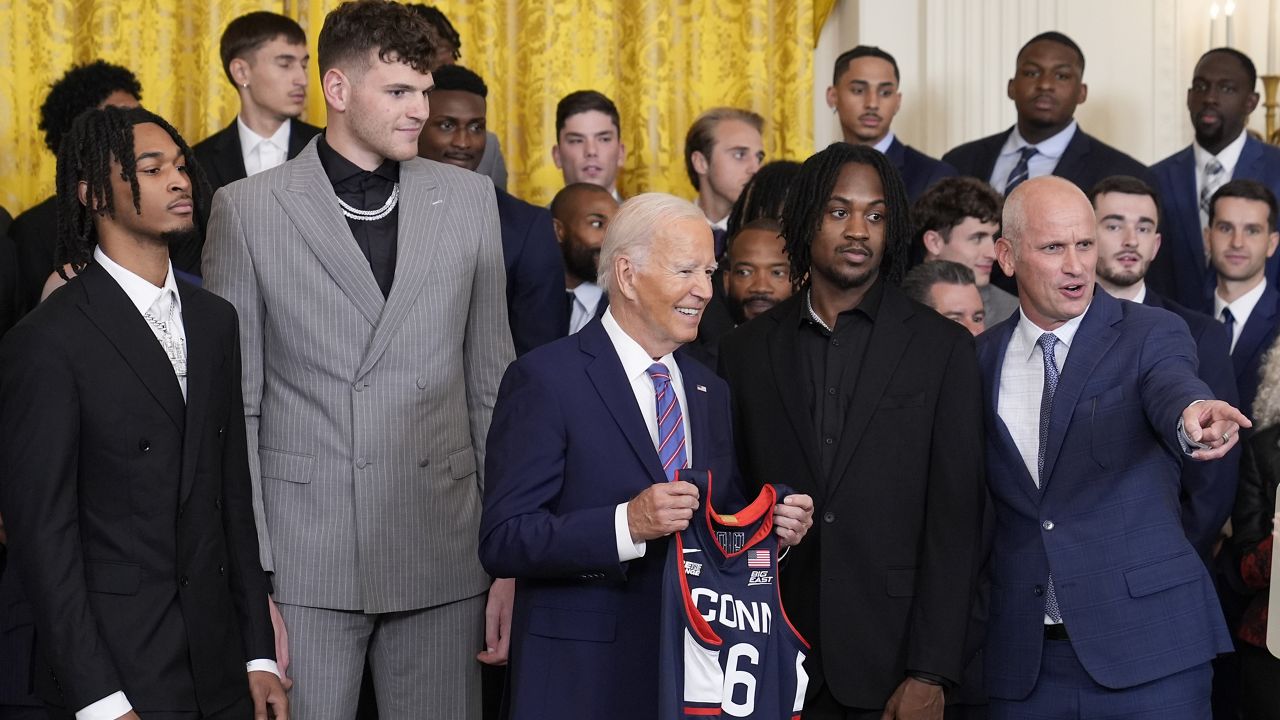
x=370, y=289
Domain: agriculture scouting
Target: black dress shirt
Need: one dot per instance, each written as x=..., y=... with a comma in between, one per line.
x=830, y=363
x=366, y=190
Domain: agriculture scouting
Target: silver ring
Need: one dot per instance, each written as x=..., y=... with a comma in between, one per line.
x=1226, y=438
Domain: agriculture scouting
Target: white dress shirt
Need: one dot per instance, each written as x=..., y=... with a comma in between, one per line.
x=1229, y=158
x=143, y=295
x=635, y=365
x=586, y=298
x=1241, y=308
x=263, y=153
x=1049, y=152
x=882, y=147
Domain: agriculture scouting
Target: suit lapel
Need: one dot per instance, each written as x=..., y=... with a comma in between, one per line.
x=109, y=308
x=991, y=154
x=1075, y=157
x=418, y=238
x=786, y=373
x=1185, y=208
x=610, y=381
x=1093, y=339
x=1253, y=337
x=310, y=203
x=889, y=339
x=695, y=395
x=897, y=154
x=299, y=137
x=200, y=367
x=230, y=156
x=991, y=362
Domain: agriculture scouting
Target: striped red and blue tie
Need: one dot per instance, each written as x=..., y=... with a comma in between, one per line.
x=671, y=451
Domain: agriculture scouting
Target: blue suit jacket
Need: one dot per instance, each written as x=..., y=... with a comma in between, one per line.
x=1180, y=270
x=1136, y=599
x=1258, y=335
x=537, y=306
x=1085, y=161
x=567, y=444
x=919, y=171
x=1208, y=489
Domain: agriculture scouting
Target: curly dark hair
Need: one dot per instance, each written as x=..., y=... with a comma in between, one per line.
x=81, y=88
x=763, y=195
x=391, y=29
x=953, y=199
x=444, y=28
x=811, y=190
x=95, y=138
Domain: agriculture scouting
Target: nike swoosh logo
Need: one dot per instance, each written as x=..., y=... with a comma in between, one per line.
x=689, y=550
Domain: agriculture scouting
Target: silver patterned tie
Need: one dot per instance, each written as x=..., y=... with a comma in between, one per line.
x=161, y=316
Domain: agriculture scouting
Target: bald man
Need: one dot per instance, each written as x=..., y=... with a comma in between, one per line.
x=580, y=213
x=1100, y=607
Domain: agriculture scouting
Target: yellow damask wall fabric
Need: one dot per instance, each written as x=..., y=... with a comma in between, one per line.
x=662, y=62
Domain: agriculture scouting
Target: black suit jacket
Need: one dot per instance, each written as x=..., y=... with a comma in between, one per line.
x=222, y=160
x=129, y=512
x=35, y=239
x=1085, y=161
x=9, y=293
x=537, y=305
x=1208, y=489
x=1257, y=336
x=919, y=171
x=883, y=583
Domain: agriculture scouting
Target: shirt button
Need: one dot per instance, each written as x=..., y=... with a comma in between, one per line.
x=829, y=517
x=829, y=440
x=835, y=343
x=144, y=445
x=1038, y=591
x=831, y=391
x=1047, y=524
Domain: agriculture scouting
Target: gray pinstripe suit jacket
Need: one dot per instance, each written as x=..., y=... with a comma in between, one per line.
x=366, y=417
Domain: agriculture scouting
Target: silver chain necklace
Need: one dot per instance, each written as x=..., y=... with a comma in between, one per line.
x=370, y=215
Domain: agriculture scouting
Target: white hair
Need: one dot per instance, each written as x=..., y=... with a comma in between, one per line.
x=630, y=233
x=1266, y=406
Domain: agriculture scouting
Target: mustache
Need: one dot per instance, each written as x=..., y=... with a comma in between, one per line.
x=760, y=297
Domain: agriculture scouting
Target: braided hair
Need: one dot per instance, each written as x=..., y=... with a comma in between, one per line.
x=763, y=195
x=811, y=189
x=95, y=138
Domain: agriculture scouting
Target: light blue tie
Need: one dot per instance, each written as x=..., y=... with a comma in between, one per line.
x=1047, y=342
x=671, y=449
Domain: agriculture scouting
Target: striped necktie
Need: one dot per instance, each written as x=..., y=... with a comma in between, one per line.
x=1020, y=171
x=1047, y=342
x=1214, y=178
x=671, y=449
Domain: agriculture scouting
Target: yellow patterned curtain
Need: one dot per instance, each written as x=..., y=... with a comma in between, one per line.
x=662, y=62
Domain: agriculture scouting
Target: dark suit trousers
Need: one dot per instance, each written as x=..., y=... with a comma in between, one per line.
x=1065, y=691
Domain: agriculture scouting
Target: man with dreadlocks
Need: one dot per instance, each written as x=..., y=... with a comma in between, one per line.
x=124, y=477
x=869, y=402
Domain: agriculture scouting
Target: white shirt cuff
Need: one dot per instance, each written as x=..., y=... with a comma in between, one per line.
x=263, y=665
x=108, y=708
x=627, y=550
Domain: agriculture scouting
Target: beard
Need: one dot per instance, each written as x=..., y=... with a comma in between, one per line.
x=582, y=261
x=184, y=237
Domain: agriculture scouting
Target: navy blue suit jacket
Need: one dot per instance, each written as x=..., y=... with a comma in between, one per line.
x=1137, y=600
x=919, y=171
x=537, y=306
x=1085, y=161
x=567, y=444
x=1208, y=489
x=1258, y=335
x=1180, y=270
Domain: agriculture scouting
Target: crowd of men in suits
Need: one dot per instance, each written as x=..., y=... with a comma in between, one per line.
x=321, y=422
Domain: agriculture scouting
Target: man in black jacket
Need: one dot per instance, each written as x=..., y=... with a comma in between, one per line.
x=1047, y=86
x=869, y=402
x=125, y=478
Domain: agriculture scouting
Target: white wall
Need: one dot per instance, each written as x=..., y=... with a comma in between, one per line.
x=956, y=57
